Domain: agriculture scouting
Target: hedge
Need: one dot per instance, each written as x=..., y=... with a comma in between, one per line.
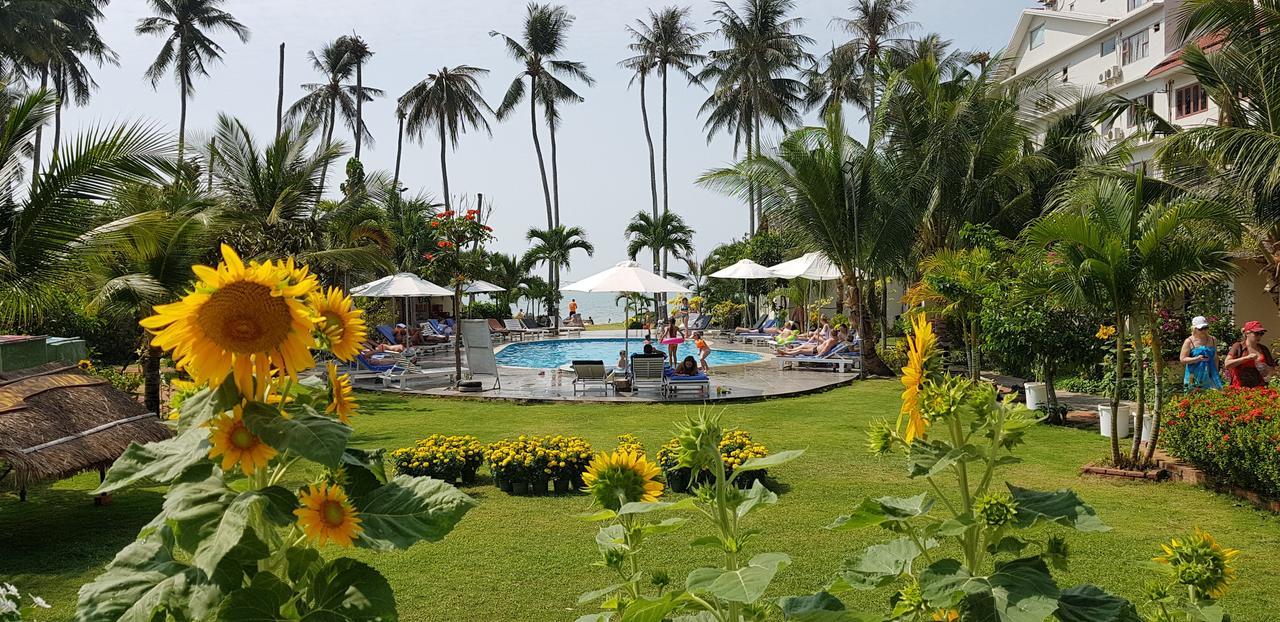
x=1232, y=435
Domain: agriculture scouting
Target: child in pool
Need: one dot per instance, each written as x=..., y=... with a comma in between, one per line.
x=687, y=367
x=622, y=361
x=704, y=350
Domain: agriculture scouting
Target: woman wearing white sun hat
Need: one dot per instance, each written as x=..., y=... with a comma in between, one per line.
x=1200, y=355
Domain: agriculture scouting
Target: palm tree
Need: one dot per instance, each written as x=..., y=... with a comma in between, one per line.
x=510, y=273
x=76, y=40
x=851, y=214
x=665, y=234
x=325, y=101
x=407, y=219
x=752, y=76
x=359, y=53
x=957, y=282
x=876, y=26
x=695, y=274
x=451, y=100
x=554, y=247
x=642, y=66
x=545, y=28
x=1124, y=243
x=186, y=26
x=395, y=179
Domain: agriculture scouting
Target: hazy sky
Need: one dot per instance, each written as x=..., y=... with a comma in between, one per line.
x=603, y=159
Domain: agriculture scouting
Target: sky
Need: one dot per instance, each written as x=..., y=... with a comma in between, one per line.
x=603, y=163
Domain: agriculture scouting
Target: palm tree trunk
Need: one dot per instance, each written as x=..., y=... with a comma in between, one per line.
x=537, y=147
x=666, y=178
x=60, y=83
x=359, y=106
x=328, y=136
x=213, y=156
x=182, y=115
x=444, y=171
x=760, y=224
x=1157, y=369
x=280, y=95
x=395, y=179
x=35, y=158
x=151, y=377
x=648, y=138
x=1138, y=359
x=555, y=173
x=751, y=193
x=1115, y=392
x=871, y=361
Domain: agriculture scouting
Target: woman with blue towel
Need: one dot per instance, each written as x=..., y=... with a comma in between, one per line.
x=1200, y=355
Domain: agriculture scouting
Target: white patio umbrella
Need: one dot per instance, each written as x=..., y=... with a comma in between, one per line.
x=404, y=285
x=627, y=277
x=745, y=270
x=812, y=266
x=479, y=286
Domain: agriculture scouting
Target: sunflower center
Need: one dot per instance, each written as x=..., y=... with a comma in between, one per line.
x=333, y=513
x=332, y=326
x=245, y=318
x=243, y=438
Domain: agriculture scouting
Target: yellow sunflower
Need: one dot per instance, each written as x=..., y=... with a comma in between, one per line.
x=342, y=402
x=239, y=318
x=1198, y=561
x=340, y=324
x=622, y=477
x=946, y=615
x=920, y=349
x=237, y=445
x=327, y=516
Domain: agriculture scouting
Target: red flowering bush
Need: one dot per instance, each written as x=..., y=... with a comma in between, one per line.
x=1233, y=435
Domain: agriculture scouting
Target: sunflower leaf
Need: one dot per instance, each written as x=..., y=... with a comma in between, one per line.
x=410, y=509
x=161, y=462
x=307, y=434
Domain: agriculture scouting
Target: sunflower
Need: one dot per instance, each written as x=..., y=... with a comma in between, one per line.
x=237, y=445
x=946, y=615
x=343, y=403
x=920, y=349
x=327, y=516
x=1198, y=561
x=340, y=324
x=241, y=318
x=622, y=477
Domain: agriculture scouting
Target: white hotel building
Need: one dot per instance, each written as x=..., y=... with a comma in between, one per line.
x=1129, y=48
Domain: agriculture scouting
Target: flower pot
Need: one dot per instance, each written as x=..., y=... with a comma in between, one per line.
x=678, y=480
x=1036, y=394
x=1148, y=426
x=519, y=488
x=469, y=476
x=503, y=485
x=561, y=485
x=1122, y=423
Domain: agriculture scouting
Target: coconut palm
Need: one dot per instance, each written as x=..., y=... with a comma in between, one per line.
x=187, y=48
x=555, y=247
x=325, y=101
x=545, y=29
x=1125, y=243
x=854, y=67
x=451, y=100
x=407, y=218
x=359, y=53
x=75, y=40
x=641, y=66
x=667, y=234
x=511, y=273
x=695, y=274
x=753, y=76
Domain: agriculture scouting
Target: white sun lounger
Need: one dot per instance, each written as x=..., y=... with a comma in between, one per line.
x=647, y=372
x=839, y=358
x=406, y=372
x=591, y=374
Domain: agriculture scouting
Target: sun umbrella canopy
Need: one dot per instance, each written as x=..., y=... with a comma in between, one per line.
x=814, y=266
x=626, y=277
x=481, y=287
x=402, y=285
x=745, y=269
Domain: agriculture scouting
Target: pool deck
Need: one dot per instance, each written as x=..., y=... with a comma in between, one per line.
x=749, y=381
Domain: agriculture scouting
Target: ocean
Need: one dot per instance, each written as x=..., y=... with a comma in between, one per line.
x=600, y=307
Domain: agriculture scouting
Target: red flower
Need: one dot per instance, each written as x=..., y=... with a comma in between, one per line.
x=428, y=256
x=444, y=244
x=488, y=228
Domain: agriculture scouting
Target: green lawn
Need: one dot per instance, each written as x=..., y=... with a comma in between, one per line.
x=528, y=558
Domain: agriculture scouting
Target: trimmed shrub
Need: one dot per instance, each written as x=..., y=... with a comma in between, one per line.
x=1233, y=435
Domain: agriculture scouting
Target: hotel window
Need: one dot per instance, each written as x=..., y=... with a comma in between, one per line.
x=1133, y=4
x=1135, y=47
x=1146, y=101
x=1037, y=36
x=1190, y=100
x=1108, y=46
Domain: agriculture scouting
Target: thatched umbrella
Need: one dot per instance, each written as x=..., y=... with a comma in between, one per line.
x=57, y=421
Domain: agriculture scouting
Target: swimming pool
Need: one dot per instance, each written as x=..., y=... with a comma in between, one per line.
x=556, y=353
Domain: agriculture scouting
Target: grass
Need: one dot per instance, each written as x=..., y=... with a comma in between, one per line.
x=516, y=558
x=611, y=326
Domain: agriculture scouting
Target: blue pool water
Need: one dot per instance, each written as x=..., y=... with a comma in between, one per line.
x=553, y=354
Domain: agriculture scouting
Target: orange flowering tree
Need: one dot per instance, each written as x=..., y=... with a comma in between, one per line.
x=238, y=538
x=458, y=259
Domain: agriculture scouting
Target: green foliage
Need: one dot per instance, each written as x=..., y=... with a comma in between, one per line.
x=728, y=314
x=111, y=338
x=485, y=310
x=1232, y=435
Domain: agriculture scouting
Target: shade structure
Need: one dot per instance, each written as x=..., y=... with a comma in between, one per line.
x=401, y=285
x=481, y=287
x=746, y=270
x=813, y=266
x=626, y=277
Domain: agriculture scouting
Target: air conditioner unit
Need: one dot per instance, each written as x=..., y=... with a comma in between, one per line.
x=1102, y=78
x=1116, y=72
x=1115, y=135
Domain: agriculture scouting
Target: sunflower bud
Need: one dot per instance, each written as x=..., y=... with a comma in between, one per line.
x=995, y=510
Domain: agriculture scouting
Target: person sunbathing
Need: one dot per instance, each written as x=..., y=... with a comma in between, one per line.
x=821, y=349
x=370, y=351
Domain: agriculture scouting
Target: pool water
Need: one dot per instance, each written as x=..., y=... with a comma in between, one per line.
x=557, y=353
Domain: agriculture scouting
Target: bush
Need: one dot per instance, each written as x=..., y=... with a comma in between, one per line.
x=447, y=458
x=1232, y=435
x=532, y=459
x=487, y=310
x=123, y=381
x=112, y=338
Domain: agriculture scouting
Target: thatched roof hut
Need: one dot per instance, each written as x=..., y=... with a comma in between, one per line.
x=57, y=421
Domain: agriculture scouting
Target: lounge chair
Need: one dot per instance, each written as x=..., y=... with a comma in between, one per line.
x=760, y=336
x=700, y=322
x=530, y=324
x=672, y=384
x=840, y=358
x=589, y=374
x=498, y=330
x=647, y=371
x=434, y=333
x=388, y=334
x=405, y=371
x=516, y=328
x=572, y=327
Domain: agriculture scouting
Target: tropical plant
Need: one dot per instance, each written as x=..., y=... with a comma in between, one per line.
x=663, y=235
x=186, y=26
x=359, y=52
x=511, y=273
x=545, y=29
x=695, y=274
x=407, y=218
x=458, y=257
x=1230, y=435
x=259, y=476
x=324, y=101
x=752, y=76
x=73, y=39
x=554, y=247
x=853, y=71
x=641, y=66
x=957, y=282
x=451, y=100
x=1126, y=244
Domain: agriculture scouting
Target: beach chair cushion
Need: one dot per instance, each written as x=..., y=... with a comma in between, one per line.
x=371, y=365
x=388, y=334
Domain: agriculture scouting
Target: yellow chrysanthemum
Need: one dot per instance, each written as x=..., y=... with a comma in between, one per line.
x=237, y=445
x=1200, y=562
x=342, y=403
x=241, y=318
x=622, y=477
x=1105, y=332
x=920, y=349
x=327, y=516
x=339, y=323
